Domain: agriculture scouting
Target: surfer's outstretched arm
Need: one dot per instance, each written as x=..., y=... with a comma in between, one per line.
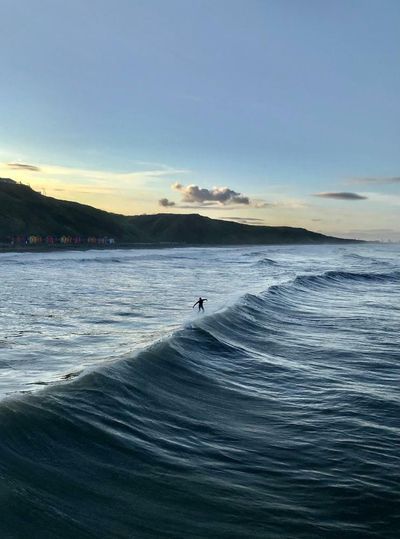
x=195, y=304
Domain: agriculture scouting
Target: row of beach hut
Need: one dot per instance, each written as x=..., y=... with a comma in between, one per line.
x=34, y=239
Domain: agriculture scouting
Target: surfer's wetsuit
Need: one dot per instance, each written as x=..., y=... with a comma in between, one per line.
x=200, y=302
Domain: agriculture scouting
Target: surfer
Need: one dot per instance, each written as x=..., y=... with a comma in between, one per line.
x=200, y=302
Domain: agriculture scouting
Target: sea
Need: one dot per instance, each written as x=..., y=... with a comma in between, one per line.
x=125, y=413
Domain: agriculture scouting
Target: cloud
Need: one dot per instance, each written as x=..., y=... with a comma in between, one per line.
x=70, y=175
x=205, y=205
x=165, y=202
x=286, y=204
x=341, y=196
x=23, y=166
x=243, y=220
x=200, y=195
x=377, y=180
x=264, y=205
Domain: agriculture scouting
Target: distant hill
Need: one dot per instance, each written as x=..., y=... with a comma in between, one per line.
x=196, y=229
x=24, y=211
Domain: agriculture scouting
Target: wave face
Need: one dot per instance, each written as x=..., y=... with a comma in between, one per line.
x=277, y=416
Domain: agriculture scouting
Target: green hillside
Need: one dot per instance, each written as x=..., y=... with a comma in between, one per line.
x=24, y=211
x=196, y=229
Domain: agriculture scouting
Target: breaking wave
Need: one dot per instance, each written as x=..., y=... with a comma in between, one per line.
x=257, y=421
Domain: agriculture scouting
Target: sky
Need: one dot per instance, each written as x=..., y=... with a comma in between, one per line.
x=275, y=112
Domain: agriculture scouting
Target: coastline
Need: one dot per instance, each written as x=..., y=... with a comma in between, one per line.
x=85, y=247
x=163, y=245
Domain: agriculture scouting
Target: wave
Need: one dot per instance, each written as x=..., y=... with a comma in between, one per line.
x=356, y=256
x=370, y=260
x=253, y=422
x=266, y=262
x=343, y=277
x=29, y=259
x=251, y=312
x=51, y=260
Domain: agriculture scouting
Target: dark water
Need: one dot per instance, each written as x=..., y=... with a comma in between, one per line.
x=278, y=417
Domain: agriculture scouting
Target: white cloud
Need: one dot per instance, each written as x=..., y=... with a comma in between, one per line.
x=165, y=203
x=200, y=195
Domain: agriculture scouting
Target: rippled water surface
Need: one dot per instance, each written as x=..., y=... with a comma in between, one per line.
x=126, y=414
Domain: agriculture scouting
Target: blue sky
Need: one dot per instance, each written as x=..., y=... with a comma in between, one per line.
x=233, y=109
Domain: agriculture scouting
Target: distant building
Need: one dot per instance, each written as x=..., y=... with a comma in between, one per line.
x=34, y=239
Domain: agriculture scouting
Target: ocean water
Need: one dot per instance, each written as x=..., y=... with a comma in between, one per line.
x=124, y=413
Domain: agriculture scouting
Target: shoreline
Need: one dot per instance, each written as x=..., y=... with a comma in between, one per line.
x=84, y=247
x=164, y=245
